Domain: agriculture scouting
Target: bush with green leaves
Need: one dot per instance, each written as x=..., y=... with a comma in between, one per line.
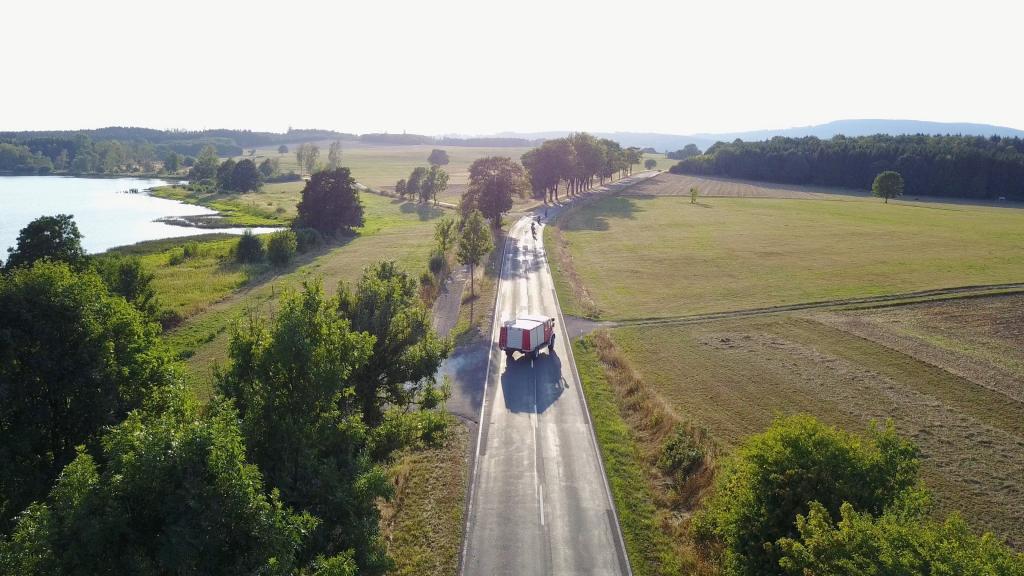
x=249, y=249
x=73, y=359
x=437, y=263
x=307, y=239
x=905, y=542
x=681, y=454
x=281, y=247
x=171, y=494
x=774, y=476
x=127, y=277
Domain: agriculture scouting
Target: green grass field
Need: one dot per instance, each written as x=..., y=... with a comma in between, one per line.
x=642, y=256
x=381, y=166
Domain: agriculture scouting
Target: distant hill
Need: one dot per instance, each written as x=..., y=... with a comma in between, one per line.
x=666, y=142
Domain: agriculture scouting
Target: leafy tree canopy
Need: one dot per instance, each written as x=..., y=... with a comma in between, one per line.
x=438, y=157
x=48, y=238
x=330, y=202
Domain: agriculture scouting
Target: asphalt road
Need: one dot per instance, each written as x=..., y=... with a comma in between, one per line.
x=539, y=501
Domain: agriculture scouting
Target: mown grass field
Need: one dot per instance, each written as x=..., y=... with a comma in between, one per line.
x=643, y=256
x=949, y=374
x=382, y=166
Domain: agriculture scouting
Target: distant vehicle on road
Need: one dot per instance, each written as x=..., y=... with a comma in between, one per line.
x=527, y=335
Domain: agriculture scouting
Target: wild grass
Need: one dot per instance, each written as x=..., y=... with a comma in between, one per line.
x=250, y=209
x=423, y=523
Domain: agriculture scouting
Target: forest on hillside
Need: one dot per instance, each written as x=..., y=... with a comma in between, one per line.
x=955, y=166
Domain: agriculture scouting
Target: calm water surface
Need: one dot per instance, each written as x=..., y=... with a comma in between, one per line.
x=106, y=216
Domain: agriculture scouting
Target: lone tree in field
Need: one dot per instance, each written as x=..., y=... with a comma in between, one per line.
x=493, y=181
x=438, y=157
x=694, y=192
x=48, y=237
x=245, y=177
x=887, y=185
x=334, y=155
x=282, y=149
x=435, y=182
x=330, y=202
x=475, y=243
x=650, y=163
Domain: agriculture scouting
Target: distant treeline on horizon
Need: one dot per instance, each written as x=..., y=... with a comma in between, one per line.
x=954, y=166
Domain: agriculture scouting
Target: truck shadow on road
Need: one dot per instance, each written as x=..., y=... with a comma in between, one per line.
x=532, y=386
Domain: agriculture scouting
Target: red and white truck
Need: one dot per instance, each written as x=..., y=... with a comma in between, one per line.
x=527, y=334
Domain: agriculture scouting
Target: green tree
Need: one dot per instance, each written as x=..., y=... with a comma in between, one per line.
x=282, y=149
x=438, y=157
x=474, y=244
x=205, y=167
x=172, y=494
x=887, y=185
x=73, y=359
x=633, y=156
x=268, y=168
x=650, y=164
x=330, y=202
x=445, y=234
x=694, y=192
x=281, y=247
x=406, y=353
x=301, y=419
x=400, y=188
x=127, y=277
x=225, y=174
x=245, y=177
x=308, y=156
x=774, y=476
x=414, y=185
x=172, y=162
x=493, y=182
x=334, y=155
x=899, y=543
x=434, y=183
x=249, y=249
x=48, y=237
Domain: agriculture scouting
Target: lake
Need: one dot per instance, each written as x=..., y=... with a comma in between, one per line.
x=105, y=214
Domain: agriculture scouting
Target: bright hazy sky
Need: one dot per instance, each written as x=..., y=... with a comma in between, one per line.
x=479, y=66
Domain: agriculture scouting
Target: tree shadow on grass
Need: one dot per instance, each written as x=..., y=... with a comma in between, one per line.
x=597, y=215
x=424, y=211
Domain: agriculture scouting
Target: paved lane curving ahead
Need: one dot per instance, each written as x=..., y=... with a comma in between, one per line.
x=539, y=502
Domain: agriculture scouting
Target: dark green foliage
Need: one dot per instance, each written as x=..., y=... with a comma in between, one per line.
x=414, y=185
x=330, y=203
x=48, y=238
x=125, y=276
x=966, y=166
x=291, y=381
x=437, y=263
x=400, y=188
x=680, y=455
x=406, y=353
x=774, y=476
x=688, y=151
x=73, y=358
x=225, y=173
x=249, y=249
x=268, y=168
x=438, y=157
x=172, y=494
x=904, y=543
x=281, y=247
x=172, y=162
x=307, y=239
x=493, y=183
x=245, y=177
x=282, y=149
x=475, y=242
x=650, y=164
x=887, y=185
x=205, y=167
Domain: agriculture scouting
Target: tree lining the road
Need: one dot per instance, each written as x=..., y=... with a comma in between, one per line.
x=575, y=162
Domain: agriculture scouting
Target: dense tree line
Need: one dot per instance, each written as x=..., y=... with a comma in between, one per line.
x=575, y=163
x=112, y=466
x=963, y=166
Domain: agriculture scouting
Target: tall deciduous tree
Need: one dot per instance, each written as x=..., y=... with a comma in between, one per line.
x=245, y=177
x=475, y=243
x=292, y=383
x=334, y=155
x=445, y=234
x=438, y=157
x=73, y=359
x=225, y=174
x=414, y=185
x=400, y=188
x=887, y=185
x=48, y=237
x=434, y=182
x=406, y=353
x=493, y=182
x=205, y=167
x=330, y=202
x=172, y=162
